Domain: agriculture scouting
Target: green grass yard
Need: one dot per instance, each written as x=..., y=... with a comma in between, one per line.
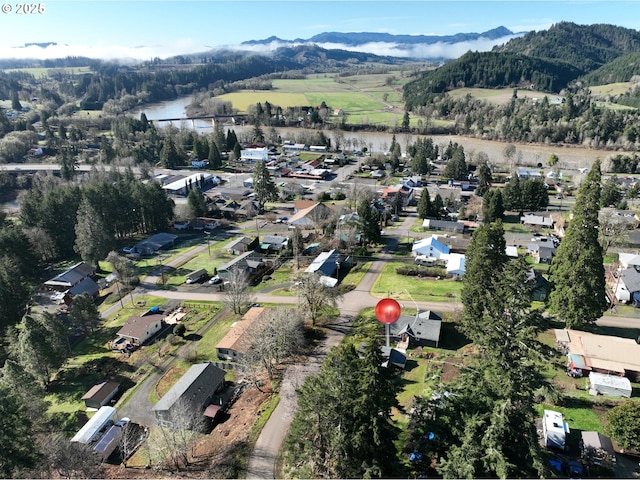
x=402, y=287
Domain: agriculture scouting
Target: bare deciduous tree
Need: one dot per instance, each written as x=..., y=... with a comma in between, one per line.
x=613, y=228
x=276, y=336
x=69, y=459
x=313, y=294
x=235, y=291
x=175, y=444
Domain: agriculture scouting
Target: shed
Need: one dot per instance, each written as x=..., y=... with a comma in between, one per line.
x=612, y=385
x=100, y=394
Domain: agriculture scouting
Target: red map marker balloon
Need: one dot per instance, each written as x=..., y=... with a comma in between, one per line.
x=388, y=311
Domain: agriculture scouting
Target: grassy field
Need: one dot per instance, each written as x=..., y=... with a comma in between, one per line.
x=610, y=89
x=389, y=283
x=43, y=72
x=363, y=98
x=498, y=95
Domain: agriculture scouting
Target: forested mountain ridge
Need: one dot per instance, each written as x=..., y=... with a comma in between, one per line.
x=587, y=47
x=549, y=60
x=490, y=69
x=622, y=69
x=360, y=38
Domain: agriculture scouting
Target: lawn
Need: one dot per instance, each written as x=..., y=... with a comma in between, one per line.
x=402, y=287
x=355, y=275
x=92, y=361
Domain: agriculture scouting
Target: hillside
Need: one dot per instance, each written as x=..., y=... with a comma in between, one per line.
x=587, y=47
x=622, y=69
x=490, y=70
x=551, y=60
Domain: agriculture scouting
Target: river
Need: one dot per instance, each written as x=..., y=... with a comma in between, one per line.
x=571, y=158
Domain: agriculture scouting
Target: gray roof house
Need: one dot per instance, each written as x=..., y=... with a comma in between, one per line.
x=140, y=329
x=250, y=263
x=192, y=392
x=100, y=394
x=71, y=277
x=423, y=329
x=273, y=243
x=536, y=220
x=241, y=245
x=154, y=243
x=627, y=288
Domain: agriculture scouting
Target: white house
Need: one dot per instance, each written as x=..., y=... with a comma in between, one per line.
x=429, y=247
x=254, y=154
x=627, y=287
x=455, y=264
x=628, y=260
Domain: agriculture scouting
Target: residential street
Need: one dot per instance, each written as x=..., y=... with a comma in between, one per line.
x=263, y=458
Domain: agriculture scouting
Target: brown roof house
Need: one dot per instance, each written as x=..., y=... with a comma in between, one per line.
x=236, y=342
x=310, y=217
x=100, y=394
x=191, y=394
x=140, y=329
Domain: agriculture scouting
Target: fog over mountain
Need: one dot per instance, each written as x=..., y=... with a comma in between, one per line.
x=443, y=47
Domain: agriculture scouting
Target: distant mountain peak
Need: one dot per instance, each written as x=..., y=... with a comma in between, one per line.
x=352, y=39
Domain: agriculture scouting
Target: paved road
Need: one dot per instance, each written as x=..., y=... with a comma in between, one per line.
x=263, y=458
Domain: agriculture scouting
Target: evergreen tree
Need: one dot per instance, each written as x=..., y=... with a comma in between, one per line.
x=438, y=207
x=485, y=261
x=484, y=179
x=512, y=195
x=535, y=195
x=215, y=159
x=15, y=101
x=263, y=186
x=344, y=429
x=93, y=238
x=169, y=155
x=611, y=194
x=576, y=274
x=405, y=120
x=425, y=207
x=197, y=204
x=623, y=424
x=237, y=152
x=456, y=167
x=368, y=220
x=14, y=292
x=42, y=347
x=492, y=206
x=19, y=452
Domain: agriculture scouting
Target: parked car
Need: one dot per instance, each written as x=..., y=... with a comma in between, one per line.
x=215, y=280
x=128, y=250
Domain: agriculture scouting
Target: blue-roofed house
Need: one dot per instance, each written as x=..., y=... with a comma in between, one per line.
x=429, y=247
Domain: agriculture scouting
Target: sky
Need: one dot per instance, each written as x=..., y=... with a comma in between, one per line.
x=161, y=28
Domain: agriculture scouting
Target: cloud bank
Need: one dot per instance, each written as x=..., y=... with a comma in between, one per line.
x=124, y=53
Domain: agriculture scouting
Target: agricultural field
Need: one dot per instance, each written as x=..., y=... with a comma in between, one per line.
x=610, y=89
x=44, y=72
x=500, y=95
x=363, y=98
